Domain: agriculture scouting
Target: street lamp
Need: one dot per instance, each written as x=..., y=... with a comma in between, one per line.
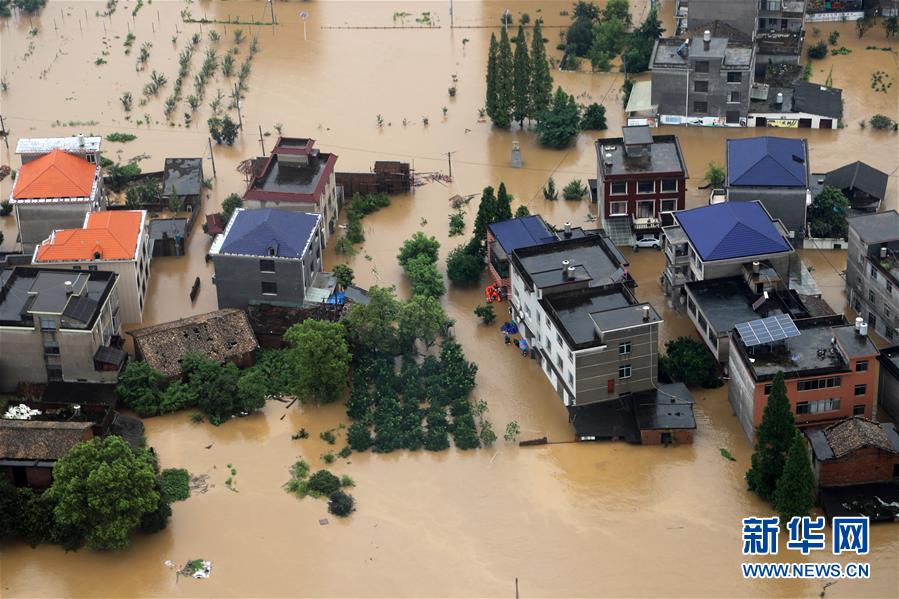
x=303, y=16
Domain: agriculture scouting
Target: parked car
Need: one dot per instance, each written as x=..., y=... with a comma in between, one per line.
x=647, y=241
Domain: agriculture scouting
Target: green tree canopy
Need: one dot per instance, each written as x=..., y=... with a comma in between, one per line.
x=502, y=117
x=827, y=215
x=417, y=246
x=372, y=327
x=463, y=268
x=579, y=37
x=594, y=117
x=102, y=489
x=321, y=358
x=422, y=317
x=687, y=360
x=617, y=10
x=503, y=204
x=214, y=384
x=541, y=78
x=520, y=212
x=521, y=78
x=773, y=438
x=714, y=174
x=560, y=125
x=424, y=277
x=487, y=210
x=140, y=388
x=490, y=103
x=795, y=494
x=229, y=205
x=344, y=274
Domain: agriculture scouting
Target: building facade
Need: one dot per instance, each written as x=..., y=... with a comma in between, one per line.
x=59, y=326
x=506, y=236
x=297, y=177
x=830, y=371
x=267, y=256
x=30, y=448
x=888, y=386
x=855, y=451
x=640, y=180
x=59, y=183
x=872, y=271
x=702, y=81
x=115, y=241
x=775, y=172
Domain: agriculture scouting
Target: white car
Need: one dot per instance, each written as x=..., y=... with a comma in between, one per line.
x=647, y=241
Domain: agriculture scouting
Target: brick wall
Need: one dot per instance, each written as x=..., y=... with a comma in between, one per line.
x=866, y=465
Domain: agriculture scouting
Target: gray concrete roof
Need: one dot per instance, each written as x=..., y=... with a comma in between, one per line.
x=876, y=228
x=42, y=145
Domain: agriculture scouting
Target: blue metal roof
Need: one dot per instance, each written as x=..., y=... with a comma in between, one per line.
x=731, y=230
x=767, y=161
x=521, y=232
x=256, y=232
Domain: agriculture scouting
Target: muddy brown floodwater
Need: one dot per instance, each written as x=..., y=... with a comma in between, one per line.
x=565, y=519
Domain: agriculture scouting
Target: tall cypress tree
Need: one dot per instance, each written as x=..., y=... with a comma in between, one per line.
x=490, y=102
x=541, y=79
x=521, y=82
x=795, y=495
x=486, y=214
x=773, y=438
x=504, y=87
x=503, y=204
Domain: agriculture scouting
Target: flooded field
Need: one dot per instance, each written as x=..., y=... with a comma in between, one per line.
x=565, y=519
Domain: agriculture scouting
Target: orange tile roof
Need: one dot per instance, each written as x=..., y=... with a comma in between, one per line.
x=55, y=175
x=111, y=234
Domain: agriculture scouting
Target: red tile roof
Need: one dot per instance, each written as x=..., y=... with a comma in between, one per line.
x=112, y=235
x=55, y=175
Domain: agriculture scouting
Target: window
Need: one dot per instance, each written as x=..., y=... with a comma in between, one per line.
x=618, y=208
x=269, y=288
x=266, y=266
x=767, y=389
x=873, y=273
x=646, y=186
x=827, y=383
x=691, y=305
x=858, y=409
x=701, y=86
x=570, y=378
x=819, y=406
x=700, y=107
x=861, y=389
x=889, y=288
x=48, y=324
x=646, y=209
x=619, y=188
x=624, y=349
x=701, y=66
x=733, y=97
x=871, y=296
x=669, y=206
x=872, y=320
x=735, y=77
x=669, y=184
x=886, y=311
x=51, y=347
x=861, y=366
x=624, y=371
x=702, y=321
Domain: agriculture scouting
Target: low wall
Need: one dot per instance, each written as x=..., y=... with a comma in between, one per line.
x=825, y=17
x=824, y=243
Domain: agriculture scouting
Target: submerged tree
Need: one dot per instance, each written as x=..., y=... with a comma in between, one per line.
x=504, y=83
x=827, y=214
x=561, y=124
x=490, y=102
x=521, y=78
x=773, y=438
x=795, y=494
x=320, y=359
x=541, y=79
x=503, y=204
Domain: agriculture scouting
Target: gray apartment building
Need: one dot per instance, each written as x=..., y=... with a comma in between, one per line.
x=872, y=271
x=888, y=386
x=59, y=326
x=702, y=80
x=267, y=256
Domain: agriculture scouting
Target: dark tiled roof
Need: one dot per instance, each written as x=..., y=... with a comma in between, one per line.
x=39, y=440
x=857, y=432
x=859, y=175
x=876, y=228
x=221, y=335
x=668, y=407
x=184, y=174
x=717, y=29
x=814, y=98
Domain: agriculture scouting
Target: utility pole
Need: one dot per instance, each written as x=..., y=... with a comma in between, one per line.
x=261, y=143
x=516, y=587
x=451, y=14
x=237, y=104
x=212, y=158
x=449, y=159
x=272, y=6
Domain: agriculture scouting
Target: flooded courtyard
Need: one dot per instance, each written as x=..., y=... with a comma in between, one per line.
x=565, y=519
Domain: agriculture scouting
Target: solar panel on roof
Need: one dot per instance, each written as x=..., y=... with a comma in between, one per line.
x=767, y=330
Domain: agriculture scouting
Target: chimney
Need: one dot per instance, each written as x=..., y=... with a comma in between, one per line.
x=779, y=99
x=706, y=39
x=858, y=323
x=570, y=273
x=70, y=289
x=607, y=158
x=567, y=230
x=565, y=272
x=863, y=329
x=755, y=267
x=646, y=308
x=81, y=140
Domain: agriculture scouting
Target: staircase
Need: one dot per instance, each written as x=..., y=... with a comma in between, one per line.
x=618, y=228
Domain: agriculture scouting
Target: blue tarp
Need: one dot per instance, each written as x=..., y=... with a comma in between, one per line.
x=338, y=297
x=510, y=327
x=521, y=232
x=731, y=230
x=767, y=162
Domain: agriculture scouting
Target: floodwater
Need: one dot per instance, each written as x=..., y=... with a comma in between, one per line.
x=565, y=519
